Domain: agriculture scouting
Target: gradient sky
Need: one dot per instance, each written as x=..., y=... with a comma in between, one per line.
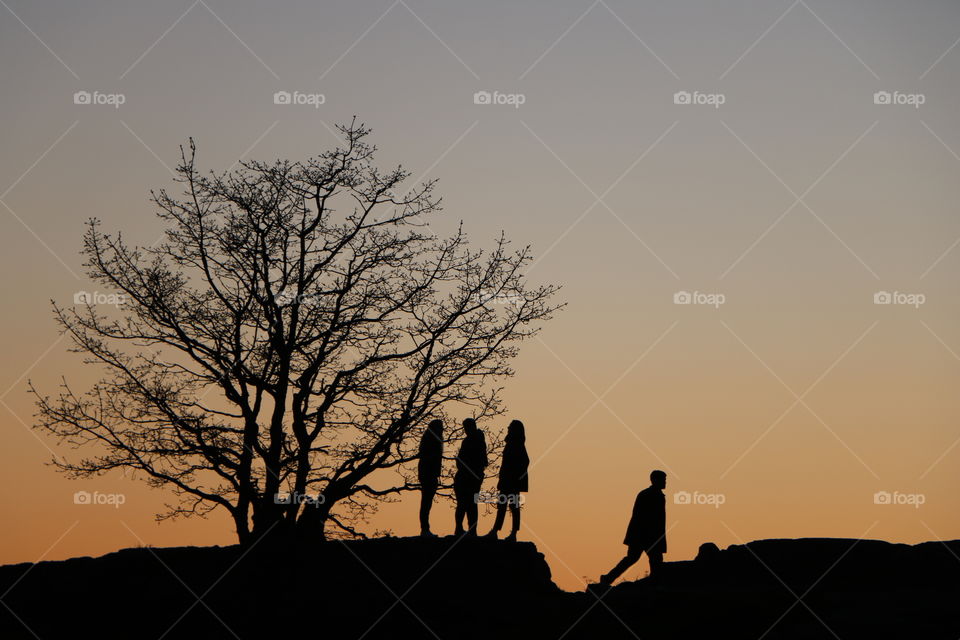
x=797, y=199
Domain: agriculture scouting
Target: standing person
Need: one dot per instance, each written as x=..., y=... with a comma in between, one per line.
x=513, y=479
x=471, y=463
x=428, y=471
x=647, y=531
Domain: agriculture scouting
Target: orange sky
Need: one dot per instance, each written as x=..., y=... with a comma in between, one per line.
x=798, y=200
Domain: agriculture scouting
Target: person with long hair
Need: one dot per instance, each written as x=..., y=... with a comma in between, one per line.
x=429, y=464
x=513, y=479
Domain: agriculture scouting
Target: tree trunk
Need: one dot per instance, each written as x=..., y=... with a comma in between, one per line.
x=312, y=522
x=267, y=518
x=242, y=526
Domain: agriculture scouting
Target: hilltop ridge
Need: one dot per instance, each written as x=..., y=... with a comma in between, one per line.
x=467, y=588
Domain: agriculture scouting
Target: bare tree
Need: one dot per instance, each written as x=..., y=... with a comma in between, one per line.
x=291, y=336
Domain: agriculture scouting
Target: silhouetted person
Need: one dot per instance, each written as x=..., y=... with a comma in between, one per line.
x=647, y=531
x=428, y=471
x=513, y=479
x=471, y=462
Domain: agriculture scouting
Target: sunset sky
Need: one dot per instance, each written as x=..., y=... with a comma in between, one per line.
x=787, y=164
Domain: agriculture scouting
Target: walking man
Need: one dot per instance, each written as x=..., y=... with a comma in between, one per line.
x=647, y=531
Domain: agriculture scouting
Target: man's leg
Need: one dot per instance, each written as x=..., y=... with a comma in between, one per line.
x=473, y=512
x=633, y=554
x=461, y=509
x=426, y=502
x=656, y=563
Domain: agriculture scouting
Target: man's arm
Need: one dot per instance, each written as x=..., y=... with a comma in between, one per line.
x=636, y=517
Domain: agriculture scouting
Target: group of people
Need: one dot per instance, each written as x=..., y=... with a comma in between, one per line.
x=646, y=532
x=468, y=479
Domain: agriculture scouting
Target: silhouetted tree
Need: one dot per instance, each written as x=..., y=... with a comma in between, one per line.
x=291, y=336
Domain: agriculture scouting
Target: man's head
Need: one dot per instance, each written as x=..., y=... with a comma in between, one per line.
x=469, y=426
x=658, y=479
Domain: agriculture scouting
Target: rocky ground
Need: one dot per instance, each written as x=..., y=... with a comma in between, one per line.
x=452, y=588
